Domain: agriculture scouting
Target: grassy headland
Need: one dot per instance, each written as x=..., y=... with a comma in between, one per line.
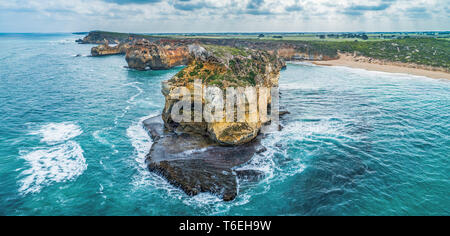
x=421, y=48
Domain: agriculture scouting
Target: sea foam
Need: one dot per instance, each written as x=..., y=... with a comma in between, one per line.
x=58, y=132
x=140, y=140
x=59, y=161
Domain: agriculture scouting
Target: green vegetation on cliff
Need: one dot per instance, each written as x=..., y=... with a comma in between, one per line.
x=415, y=48
x=424, y=51
x=224, y=66
x=222, y=51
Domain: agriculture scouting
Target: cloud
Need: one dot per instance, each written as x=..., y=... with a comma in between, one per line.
x=222, y=15
x=124, y=2
x=380, y=7
x=255, y=7
x=417, y=12
x=254, y=4
x=294, y=8
x=417, y=9
x=359, y=10
x=188, y=5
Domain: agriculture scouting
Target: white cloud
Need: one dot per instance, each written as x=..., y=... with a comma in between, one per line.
x=223, y=15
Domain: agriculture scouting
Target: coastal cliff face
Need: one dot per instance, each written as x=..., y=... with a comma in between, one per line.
x=143, y=55
x=293, y=54
x=100, y=37
x=200, y=156
x=105, y=49
x=222, y=67
x=287, y=50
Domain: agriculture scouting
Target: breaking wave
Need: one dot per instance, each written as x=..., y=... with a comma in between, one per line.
x=62, y=160
x=58, y=132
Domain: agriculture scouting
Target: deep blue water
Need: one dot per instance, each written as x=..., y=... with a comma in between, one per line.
x=355, y=143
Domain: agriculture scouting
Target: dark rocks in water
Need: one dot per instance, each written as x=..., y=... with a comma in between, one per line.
x=197, y=164
x=282, y=113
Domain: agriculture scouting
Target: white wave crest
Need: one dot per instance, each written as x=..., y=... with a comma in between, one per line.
x=61, y=163
x=140, y=140
x=277, y=146
x=58, y=132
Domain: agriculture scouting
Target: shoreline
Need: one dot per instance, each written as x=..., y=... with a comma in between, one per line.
x=383, y=66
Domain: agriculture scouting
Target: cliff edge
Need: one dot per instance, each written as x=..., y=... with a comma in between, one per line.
x=200, y=156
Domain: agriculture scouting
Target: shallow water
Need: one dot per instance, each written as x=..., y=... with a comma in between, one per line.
x=355, y=143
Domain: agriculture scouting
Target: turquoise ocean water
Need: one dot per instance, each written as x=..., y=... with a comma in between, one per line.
x=355, y=143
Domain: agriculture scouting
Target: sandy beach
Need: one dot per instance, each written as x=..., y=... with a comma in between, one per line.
x=378, y=65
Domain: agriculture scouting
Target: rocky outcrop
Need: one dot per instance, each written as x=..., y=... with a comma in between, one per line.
x=208, y=156
x=100, y=37
x=105, y=49
x=197, y=164
x=143, y=55
x=287, y=50
x=222, y=67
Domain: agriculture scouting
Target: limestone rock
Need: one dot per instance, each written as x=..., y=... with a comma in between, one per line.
x=223, y=67
x=145, y=54
x=105, y=49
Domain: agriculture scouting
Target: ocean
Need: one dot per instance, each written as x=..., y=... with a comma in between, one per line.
x=356, y=142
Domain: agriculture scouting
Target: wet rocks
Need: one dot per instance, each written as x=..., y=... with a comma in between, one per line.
x=197, y=164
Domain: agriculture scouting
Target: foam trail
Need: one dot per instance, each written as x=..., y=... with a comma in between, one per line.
x=98, y=134
x=296, y=131
x=129, y=101
x=140, y=91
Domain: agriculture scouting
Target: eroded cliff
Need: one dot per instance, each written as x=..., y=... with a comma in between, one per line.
x=206, y=156
x=105, y=49
x=144, y=55
x=223, y=68
x=287, y=50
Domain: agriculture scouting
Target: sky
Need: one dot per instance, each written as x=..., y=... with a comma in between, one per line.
x=188, y=16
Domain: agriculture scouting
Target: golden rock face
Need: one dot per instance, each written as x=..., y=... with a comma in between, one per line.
x=144, y=55
x=233, y=133
x=105, y=49
x=223, y=68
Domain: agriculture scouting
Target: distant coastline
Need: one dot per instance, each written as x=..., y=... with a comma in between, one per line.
x=417, y=53
x=371, y=64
